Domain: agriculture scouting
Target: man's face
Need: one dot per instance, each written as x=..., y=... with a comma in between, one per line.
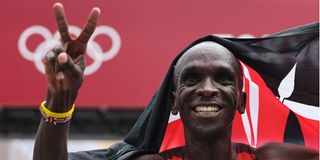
x=208, y=89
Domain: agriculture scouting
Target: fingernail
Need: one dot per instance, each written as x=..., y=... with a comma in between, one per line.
x=57, y=4
x=62, y=58
x=60, y=76
x=97, y=9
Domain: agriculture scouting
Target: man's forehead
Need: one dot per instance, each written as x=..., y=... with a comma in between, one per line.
x=211, y=54
x=207, y=51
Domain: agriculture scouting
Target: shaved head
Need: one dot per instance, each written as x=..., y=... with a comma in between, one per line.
x=207, y=47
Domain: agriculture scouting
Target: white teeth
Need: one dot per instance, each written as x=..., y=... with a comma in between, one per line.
x=206, y=110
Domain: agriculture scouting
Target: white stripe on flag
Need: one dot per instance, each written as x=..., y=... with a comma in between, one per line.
x=173, y=117
x=254, y=106
x=307, y=111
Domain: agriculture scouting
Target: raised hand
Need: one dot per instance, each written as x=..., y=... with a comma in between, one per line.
x=65, y=64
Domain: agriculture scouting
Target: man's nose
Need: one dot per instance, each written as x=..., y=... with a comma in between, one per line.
x=207, y=88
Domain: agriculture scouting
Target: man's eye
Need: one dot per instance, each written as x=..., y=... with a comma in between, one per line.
x=192, y=78
x=225, y=79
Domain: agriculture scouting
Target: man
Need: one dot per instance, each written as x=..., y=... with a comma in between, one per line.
x=207, y=92
x=208, y=82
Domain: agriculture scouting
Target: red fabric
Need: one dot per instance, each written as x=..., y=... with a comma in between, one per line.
x=175, y=158
x=310, y=131
x=272, y=116
x=241, y=156
x=245, y=156
x=174, y=136
x=238, y=133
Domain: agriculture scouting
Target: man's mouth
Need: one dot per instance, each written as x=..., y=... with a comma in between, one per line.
x=207, y=110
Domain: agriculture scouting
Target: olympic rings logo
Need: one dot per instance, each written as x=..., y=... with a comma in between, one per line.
x=94, y=50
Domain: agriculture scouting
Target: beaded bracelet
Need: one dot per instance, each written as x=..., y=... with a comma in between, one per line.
x=54, y=117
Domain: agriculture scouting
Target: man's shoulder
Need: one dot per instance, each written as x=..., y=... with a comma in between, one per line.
x=275, y=151
x=244, y=151
x=241, y=148
x=149, y=157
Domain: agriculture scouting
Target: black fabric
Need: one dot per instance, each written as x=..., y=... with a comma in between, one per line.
x=120, y=151
x=271, y=57
x=179, y=152
x=293, y=133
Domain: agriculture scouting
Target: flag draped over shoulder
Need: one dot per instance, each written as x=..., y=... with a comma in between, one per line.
x=281, y=79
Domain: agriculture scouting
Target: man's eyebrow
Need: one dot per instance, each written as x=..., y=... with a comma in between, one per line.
x=189, y=69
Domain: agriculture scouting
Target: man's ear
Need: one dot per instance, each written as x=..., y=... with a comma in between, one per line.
x=174, y=107
x=242, y=102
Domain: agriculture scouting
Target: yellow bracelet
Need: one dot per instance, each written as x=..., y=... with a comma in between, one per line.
x=55, y=114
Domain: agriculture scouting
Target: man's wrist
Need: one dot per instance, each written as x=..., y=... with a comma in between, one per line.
x=60, y=102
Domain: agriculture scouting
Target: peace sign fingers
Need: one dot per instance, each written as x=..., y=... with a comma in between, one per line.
x=61, y=22
x=90, y=25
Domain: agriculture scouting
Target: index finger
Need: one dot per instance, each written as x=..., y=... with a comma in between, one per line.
x=61, y=22
x=90, y=25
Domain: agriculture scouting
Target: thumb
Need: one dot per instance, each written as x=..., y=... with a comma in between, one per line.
x=66, y=62
x=62, y=58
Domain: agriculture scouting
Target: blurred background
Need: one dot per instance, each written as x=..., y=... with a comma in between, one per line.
x=127, y=57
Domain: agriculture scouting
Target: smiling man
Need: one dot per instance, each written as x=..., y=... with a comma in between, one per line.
x=208, y=93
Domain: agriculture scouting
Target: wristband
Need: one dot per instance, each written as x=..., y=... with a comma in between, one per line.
x=54, y=117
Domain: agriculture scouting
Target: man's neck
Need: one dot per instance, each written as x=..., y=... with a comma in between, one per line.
x=209, y=148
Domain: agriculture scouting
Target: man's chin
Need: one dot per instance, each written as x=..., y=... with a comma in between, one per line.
x=208, y=134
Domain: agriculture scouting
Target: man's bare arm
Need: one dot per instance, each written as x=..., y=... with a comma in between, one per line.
x=149, y=157
x=285, y=151
x=64, y=66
